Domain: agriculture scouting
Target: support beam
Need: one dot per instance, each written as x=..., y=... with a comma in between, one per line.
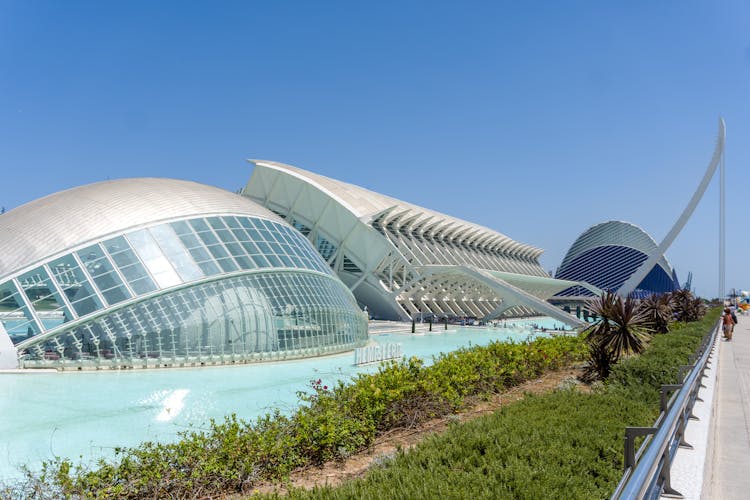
x=635, y=279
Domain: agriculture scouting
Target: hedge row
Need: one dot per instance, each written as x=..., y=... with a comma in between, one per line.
x=565, y=444
x=331, y=423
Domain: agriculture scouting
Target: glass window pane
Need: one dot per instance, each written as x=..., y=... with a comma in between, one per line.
x=209, y=268
x=240, y=235
x=266, y=235
x=218, y=251
x=176, y=253
x=200, y=254
x=199, y=225
x=9, y=298
x=181, y=227
x=153, y=258
x=235, y=249
x=36, y=286
x=245, y=222
x=264, y=248
x=275, y=262
x=254, y=235
x=227, y=265
x=245, y=262
x=75, y=285
x=16, y=318
x=260, y=261
x=204, y=232
x=103, y=274
x=276, y=248
x=250, y=248
x=133, y=272
x=232, y=222
x=116, y=245
x=129, y=265
x=269, y=225
x=286, y=260
x=216, y=223
x=190, y=241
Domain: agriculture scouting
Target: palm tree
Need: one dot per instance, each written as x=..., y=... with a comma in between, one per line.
x=622, y=330
x=658, y=309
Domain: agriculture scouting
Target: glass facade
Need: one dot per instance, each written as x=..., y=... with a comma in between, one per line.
x=219, y=287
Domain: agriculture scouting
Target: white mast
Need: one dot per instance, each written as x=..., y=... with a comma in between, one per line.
x=722, y=231
x=640, y=273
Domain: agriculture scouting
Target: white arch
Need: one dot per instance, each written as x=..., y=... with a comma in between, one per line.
x=655, y=255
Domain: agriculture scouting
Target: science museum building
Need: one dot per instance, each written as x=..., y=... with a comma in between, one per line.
x=402, y=261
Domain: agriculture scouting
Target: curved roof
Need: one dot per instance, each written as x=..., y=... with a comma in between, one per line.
x=614, y=233
x=368, y=206
x=69, y=218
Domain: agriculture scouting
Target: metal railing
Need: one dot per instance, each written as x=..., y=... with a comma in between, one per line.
x=647, y=470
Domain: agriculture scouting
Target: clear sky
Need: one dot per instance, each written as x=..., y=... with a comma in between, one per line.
x=537, y=119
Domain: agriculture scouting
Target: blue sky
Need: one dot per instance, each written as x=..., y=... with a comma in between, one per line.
x=537, y=119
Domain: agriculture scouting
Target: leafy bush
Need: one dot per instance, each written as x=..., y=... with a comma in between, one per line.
x=562, y=445
x=331, y=423
x=559, y=445
x=643, y=375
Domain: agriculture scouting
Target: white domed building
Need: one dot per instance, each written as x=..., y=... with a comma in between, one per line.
x=154, y=272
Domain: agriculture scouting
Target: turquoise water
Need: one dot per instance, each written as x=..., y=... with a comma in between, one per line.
x=88, y=414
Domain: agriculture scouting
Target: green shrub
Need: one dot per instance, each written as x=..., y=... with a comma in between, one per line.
x=560, y=445
x=331, y=423
x=643, y=375
x=564, y=444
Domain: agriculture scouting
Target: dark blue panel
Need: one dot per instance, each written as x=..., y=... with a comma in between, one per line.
x=607, y=267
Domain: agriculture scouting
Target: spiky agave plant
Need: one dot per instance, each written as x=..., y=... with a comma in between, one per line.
x=658, y=310
x=682, y=304
x=621, y=330
x=599, y=364
x=687, y=306
x=699, y=308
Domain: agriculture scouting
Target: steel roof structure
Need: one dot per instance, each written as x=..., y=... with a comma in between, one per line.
x=403, y=261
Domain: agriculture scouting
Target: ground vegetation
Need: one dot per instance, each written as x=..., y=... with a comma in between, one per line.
x=564, y=443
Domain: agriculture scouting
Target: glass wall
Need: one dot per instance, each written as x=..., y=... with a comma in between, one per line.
x=234, y=318
x=126, y=267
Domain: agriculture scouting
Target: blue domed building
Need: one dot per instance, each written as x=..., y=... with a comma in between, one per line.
x=607, y=254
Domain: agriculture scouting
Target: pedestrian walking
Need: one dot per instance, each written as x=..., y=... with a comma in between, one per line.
x=727, y=324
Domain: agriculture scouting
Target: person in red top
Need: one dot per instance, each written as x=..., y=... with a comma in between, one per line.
x=727, y=324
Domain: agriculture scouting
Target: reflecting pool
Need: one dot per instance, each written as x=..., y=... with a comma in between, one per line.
x=88, y=414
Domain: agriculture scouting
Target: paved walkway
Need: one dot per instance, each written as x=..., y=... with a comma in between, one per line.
x=727, y=471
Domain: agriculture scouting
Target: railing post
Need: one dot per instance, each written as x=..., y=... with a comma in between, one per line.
x=630, y=434
x=667, y=490
x=663, y=395
x=681, y=430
